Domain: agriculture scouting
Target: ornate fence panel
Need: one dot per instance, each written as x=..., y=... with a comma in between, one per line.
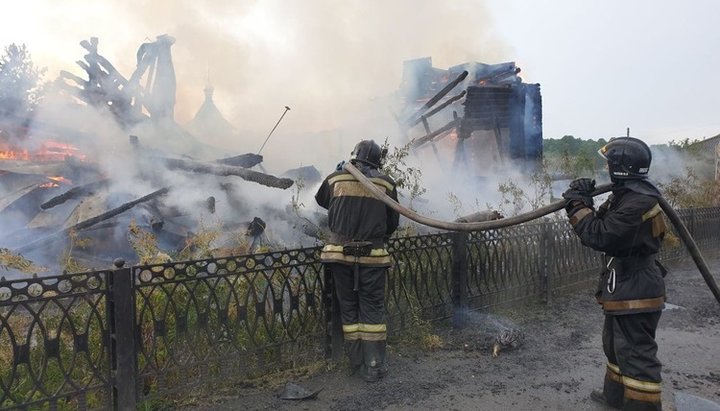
x=569, y=262
x=706, y=226
x=419, y=282
x=225, y=319
x=108, y=338
x=55, y=349
x=504, y=265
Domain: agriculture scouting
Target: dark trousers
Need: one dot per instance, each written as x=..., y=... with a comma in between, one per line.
x=632, y=378
x=362, y=313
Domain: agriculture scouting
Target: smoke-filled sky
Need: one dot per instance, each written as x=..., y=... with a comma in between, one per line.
x=603, y=65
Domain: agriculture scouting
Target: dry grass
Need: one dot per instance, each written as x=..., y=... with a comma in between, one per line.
x=670, y=240
x=13, y=261
x=431, y=342
x=199, y=245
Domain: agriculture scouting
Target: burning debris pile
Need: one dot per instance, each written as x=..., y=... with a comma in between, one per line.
x=494, y=123
x=75, y=188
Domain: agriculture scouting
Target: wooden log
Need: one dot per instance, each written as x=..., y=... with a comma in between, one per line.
x=76, y=79
x=243, y=160
x=499, y=142
x=93, y=220
x=223, y=170
x=437, y=109
x=429, y=137
x=74, y=193
x=440, y=94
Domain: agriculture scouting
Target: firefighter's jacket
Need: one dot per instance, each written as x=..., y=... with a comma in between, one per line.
x=628, y=228
x=355, y=215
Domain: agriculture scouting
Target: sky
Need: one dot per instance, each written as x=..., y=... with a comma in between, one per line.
x=603, y=66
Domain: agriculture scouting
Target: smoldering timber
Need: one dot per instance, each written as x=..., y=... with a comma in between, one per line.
x=224, y=170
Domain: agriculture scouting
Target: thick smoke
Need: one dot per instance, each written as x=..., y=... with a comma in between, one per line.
x=337, y=65
x=326, y=60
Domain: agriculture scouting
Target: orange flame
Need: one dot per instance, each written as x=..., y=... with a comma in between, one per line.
x=48, y=151
x=14, y=155
x=56, y=151
x=56, y=181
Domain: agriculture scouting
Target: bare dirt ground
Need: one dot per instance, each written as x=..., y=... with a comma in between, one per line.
x=558, y=365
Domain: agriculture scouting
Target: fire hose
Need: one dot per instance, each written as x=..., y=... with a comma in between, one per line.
x=672, y=215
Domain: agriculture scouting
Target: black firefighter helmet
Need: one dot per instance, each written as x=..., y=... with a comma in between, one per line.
x=367, y=152
x=627, y=158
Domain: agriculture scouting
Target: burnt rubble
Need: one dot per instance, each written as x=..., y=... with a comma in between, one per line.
x=493, y=119
x=51, y=200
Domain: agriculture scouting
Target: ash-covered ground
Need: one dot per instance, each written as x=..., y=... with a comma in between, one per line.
x=558, y=365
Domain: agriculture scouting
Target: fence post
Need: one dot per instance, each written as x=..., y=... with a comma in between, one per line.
x=121, y=303
x=544, y=257
x=333, y=322
x=459, y=275
x=691, y=227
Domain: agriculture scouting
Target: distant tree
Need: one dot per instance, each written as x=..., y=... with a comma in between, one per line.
x=574, y=157
x=20, y=82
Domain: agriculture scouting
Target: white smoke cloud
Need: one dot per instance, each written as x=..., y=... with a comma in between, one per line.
x=326, y=60
x=337, y=65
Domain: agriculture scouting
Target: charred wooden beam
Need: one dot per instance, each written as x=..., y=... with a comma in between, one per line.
x=74, y=193
x=81, y=82
x=498, y=77
x=95, y=59
x=437, y=109
x=83, y=65
x=105, y=85
x=243, y=160
x=118, y=210
x=223, y=170
x=440, y=94
x=429, y=137
x=498, y=140
x=93, y=220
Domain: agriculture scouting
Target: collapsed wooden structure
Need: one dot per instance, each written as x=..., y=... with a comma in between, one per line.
x=493, y=120
x=47, y=198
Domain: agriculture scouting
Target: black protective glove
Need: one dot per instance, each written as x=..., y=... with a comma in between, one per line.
x=603, y=208
x=579, y=195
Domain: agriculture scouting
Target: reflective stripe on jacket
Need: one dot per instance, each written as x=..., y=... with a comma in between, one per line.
x=628, y=228
x=355, y=215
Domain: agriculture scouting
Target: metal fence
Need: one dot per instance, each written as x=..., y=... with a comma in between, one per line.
x=116, y=338
x=55, y=342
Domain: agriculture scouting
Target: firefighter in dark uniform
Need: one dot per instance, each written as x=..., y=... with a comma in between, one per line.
x=356, y=256
x=628, y=229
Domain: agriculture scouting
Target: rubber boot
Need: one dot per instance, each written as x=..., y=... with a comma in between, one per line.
x=599, y=397
x=353, y=349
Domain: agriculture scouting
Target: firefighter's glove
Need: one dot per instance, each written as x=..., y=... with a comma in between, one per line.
x=579, y=195
x=603, y=208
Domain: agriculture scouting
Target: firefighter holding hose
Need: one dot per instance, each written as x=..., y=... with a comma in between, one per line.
x=628, y=228
x=356, y=256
